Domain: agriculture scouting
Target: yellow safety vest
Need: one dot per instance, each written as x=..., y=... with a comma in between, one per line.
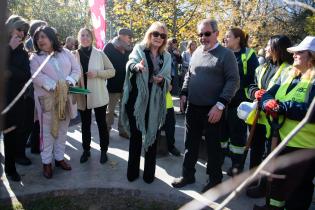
x=245, y=57
x=260, y=73
x=305, y=138
x=169, y=100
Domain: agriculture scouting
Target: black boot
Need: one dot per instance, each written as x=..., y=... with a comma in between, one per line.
x=237, y=165
x=85, y=156
x=103, y=158
x=13, y=176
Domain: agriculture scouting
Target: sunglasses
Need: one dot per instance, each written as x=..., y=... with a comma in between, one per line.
x=207, y=34
x=158, y=34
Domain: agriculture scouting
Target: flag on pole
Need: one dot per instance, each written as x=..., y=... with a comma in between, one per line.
x=97, y=8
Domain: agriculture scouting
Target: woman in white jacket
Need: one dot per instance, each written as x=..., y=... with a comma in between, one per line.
x=54, y=105
x=95, y=70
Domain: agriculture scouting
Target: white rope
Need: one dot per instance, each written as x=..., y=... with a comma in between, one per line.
x=26, y=85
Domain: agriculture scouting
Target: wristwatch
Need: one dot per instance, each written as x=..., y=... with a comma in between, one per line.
x=220, y=106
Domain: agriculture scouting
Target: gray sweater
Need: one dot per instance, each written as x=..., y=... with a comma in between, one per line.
x=213, y=76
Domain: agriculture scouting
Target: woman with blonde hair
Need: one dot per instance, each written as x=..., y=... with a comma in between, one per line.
x=96, y=68
x=291, y=97
x=143, y=104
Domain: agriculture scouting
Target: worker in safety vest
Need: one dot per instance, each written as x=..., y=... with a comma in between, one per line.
x=291, y=96
x=169, y=125
x=235, y=128
x=278, y=61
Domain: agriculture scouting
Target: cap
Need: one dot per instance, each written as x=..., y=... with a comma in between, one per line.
x=125, y=31
x=307, y=44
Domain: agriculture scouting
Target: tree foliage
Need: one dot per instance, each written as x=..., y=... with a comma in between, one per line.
x=66, y=16
x=259, y=18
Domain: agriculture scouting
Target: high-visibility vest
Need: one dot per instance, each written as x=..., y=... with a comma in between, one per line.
x=169, y=100
x=275, y=77
x=245, y=57
x=260, y=71
x=305, y=138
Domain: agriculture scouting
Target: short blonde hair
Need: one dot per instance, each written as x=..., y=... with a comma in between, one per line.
x=147, y=37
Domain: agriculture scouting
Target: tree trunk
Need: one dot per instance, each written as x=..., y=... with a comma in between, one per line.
x=3, y=55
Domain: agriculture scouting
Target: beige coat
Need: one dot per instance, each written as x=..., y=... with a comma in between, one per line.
x=99, y=95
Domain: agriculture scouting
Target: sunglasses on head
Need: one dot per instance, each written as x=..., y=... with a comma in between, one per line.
x=157, y=34
x=207, y=34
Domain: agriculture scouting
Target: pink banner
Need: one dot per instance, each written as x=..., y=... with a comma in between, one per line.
x=97, y=8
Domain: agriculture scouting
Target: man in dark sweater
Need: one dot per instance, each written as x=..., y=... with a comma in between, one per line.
x=209, y=85
x=117, y=51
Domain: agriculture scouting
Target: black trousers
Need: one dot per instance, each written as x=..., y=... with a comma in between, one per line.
x=196, y=122
x=10, y=141
x=297, y=187
x=237, y=133
x=86, y=118
x=258, y=147
x=135, y=146
x=25, y=132
x=35, y=138
x=169, y=128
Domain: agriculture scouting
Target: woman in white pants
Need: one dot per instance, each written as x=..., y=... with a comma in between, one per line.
x=54, y=106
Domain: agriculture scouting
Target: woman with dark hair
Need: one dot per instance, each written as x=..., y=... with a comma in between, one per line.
x=278, y=61
x=96, y=69
x=235, y=128
x=144, y=100
x=54, y=105
x=19, y=73
x=291, y=97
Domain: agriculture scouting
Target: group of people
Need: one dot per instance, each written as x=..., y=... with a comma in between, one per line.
x=217, y=80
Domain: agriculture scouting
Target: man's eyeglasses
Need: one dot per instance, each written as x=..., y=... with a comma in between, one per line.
x=207, y=34
x=157, y=34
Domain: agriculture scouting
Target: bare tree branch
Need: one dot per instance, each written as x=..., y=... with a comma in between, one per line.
x=189, y=19
x=300, y=4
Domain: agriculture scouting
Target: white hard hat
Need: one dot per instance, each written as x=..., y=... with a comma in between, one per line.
x=245, y=108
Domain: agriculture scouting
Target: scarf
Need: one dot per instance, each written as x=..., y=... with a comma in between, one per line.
x=157, y=103
x=59, y=106
x=121, y=45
